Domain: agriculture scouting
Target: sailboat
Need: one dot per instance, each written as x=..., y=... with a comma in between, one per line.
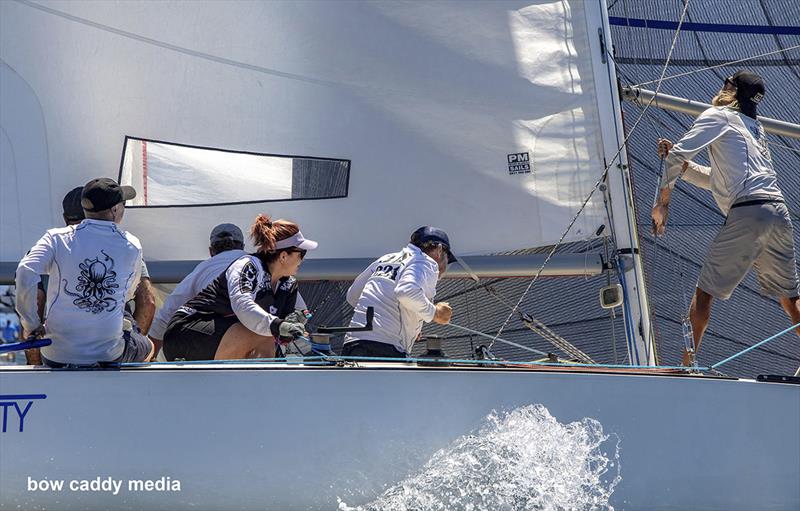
x=497, y=121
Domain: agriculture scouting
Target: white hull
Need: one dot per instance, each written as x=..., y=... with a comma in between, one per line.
x=290, y=437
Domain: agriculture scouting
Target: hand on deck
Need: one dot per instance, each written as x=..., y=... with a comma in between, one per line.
x=443, y=313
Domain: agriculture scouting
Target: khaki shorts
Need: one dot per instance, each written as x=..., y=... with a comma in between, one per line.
x=758, y=235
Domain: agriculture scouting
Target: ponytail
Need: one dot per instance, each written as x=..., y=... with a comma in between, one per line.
x=263, y=233
x=266, y=233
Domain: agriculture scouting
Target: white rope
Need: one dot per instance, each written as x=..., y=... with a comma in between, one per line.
x=603, y=175
x=510, y=343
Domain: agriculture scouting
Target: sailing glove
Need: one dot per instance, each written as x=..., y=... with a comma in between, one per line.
x=298, y=316
x=287, y=330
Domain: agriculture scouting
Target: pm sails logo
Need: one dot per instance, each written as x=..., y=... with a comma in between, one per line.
x=519, y=163
x=15, y=410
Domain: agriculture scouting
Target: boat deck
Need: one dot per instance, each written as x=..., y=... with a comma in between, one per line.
x=343, y=364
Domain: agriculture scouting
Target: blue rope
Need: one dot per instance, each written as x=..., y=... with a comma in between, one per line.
x=751, y=348
x=25, y=345
x=633, y=351
x=320, y=347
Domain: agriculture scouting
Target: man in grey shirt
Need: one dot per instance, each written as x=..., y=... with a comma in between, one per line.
x=758, y=229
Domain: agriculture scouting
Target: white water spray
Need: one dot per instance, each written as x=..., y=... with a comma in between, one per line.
x=522, y=459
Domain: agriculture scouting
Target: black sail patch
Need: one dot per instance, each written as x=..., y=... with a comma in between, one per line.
x=247, y=279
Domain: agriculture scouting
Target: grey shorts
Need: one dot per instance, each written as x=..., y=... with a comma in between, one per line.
x=137, y=346
x=758, y=235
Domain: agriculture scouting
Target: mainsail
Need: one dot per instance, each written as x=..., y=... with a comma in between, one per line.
x=498, y=121
x=481, y=118
x=492, y=120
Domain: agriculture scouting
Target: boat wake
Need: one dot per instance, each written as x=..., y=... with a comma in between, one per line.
x=521, y=459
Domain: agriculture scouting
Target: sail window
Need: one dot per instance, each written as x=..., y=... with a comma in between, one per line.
x=174, y=175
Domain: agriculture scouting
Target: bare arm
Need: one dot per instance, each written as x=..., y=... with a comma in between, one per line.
x=678, y=165
x=145, y=301
x=33, y=356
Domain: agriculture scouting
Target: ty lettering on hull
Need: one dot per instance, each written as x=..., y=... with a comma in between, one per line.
x=16, y=409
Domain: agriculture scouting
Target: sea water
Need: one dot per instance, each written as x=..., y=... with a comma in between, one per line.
x=517, y=460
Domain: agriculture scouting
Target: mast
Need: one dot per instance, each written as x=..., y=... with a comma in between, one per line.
x=619, y=193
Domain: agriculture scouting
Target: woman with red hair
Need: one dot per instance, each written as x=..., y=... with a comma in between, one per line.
x=250, y=307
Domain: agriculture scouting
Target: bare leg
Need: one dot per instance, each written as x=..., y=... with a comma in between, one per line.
x=151, y=355
x=157, y=345
x=239, y=342
x=792, y=308
x=699, y=314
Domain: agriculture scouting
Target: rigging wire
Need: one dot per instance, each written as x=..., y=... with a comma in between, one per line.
x=672, y=253
x=702, y=48
x=597, y=184
x=683, y=260
x=786, y=147
x=724, y=64
x=777, y=39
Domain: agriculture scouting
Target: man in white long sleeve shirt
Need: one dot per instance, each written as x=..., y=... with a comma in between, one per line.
x=400, y=287
x=94, y=268
x=758, y=228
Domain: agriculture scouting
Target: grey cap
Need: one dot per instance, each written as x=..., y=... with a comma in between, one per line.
x=226, y=232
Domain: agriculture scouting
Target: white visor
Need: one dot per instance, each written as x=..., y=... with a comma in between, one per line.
x=297, y=241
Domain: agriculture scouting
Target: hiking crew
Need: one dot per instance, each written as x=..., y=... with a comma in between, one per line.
x=94, y=268
x=250, y=306
x=758, y=229
x=400, y=287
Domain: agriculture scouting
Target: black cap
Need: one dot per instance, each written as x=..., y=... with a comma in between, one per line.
x=428, y=233
x=73, y=211
x=224, y=232
x=104, y=193
x=750, y=90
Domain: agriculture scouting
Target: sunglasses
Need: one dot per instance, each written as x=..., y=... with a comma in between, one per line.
x=729, y=82
x=299, y=251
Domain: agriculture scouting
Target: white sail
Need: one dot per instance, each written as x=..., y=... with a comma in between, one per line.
x=436, y=109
